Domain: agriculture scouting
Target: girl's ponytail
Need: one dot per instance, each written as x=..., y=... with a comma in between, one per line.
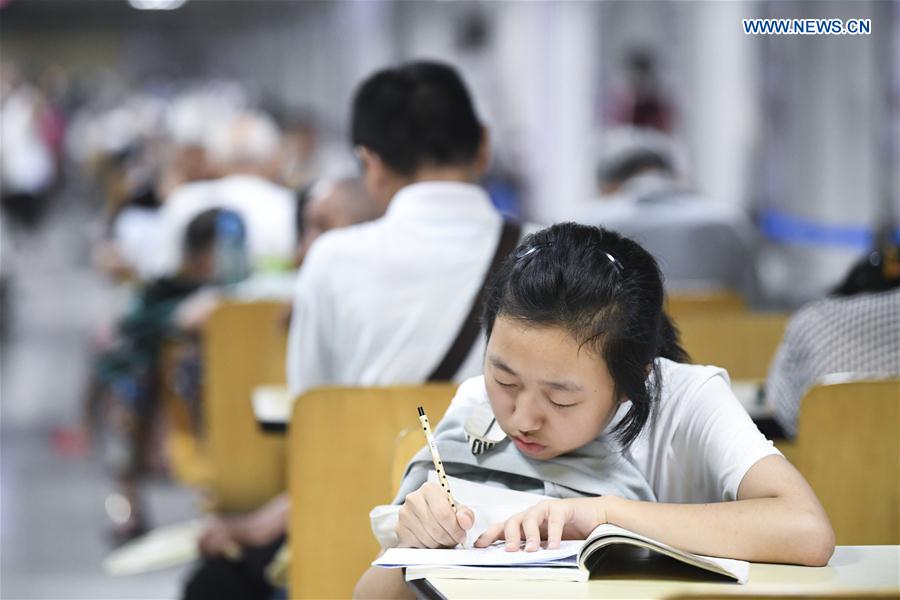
x=670, y=341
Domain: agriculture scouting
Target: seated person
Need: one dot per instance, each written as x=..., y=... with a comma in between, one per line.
x=127, y=372
x=131, y=240
x=585, y=375
x=854, y=331
x=331, y=205
x=243, y=154
x=699, y=244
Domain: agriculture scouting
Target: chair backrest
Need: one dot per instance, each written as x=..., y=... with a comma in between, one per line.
x=244, y=346
x=408, y=443
x=742, y=343
x=188, y=464
x=848, y=448
x=704, y=302
x=341, y=455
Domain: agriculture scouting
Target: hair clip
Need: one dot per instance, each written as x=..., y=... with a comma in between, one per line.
x=615, y=263
x=528, y=251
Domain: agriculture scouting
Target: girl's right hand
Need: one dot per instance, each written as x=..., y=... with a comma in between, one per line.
x=428, y=521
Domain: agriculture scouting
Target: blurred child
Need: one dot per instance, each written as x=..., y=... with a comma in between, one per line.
x=128, y=372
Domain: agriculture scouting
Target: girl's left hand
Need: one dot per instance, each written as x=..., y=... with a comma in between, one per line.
x=550, y=520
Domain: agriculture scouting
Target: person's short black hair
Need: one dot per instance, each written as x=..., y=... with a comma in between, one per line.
x=604, y=289
x=416, y=114
x=201, y=232
x=204, y=229
x=620, y=171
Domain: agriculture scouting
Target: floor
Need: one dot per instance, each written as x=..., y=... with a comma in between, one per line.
x=54, y=532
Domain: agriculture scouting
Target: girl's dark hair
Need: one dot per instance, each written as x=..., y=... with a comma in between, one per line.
x=607, y=291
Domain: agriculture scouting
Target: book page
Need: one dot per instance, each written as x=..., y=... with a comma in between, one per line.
x=607, y=534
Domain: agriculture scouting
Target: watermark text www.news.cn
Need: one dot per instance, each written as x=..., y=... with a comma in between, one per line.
x=807, y=26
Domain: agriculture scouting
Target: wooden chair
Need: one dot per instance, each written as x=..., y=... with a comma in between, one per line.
x=341, y=455
x=188, y=464
x=408, y=443
x=244, y=345
x=704, y=302
x=848, y=448
x=742, y=343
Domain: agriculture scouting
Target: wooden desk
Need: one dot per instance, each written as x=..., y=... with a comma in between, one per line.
x=853, y=570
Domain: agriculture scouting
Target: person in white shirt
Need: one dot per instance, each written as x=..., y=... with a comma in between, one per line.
x=699, y=244
x=381, y=303
x=244, y=154
x=587, y=382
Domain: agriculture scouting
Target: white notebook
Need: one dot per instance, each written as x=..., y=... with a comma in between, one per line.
x=159, y=549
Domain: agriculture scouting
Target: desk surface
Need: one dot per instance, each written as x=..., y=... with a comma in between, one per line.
x=272, y=405
x=852, y=570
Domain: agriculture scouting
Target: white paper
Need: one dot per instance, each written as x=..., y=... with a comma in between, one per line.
x=272, y=403
x=490, y=504
x=161, y=548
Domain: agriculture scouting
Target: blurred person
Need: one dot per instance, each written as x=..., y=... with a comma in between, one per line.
x=700, y=244
x=642, y=103
x=27, y=164
x=134, y=226
x=855, y=332
x=126, y=374
x=243, y=159
x=157, y=161
x=54, y=85
x=332, y=205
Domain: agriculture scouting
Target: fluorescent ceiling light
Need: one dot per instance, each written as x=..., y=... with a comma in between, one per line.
x=156, y=4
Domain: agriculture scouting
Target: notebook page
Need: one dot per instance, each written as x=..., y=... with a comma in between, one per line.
x=490, y=504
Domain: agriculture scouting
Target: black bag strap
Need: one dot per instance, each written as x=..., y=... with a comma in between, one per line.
x=468, y=332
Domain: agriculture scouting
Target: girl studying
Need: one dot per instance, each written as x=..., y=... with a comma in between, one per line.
x=588, y=397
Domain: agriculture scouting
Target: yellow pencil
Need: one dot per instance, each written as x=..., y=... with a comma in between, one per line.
x=438, y=464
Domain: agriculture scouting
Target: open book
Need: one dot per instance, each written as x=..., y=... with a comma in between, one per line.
x=574, y=560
